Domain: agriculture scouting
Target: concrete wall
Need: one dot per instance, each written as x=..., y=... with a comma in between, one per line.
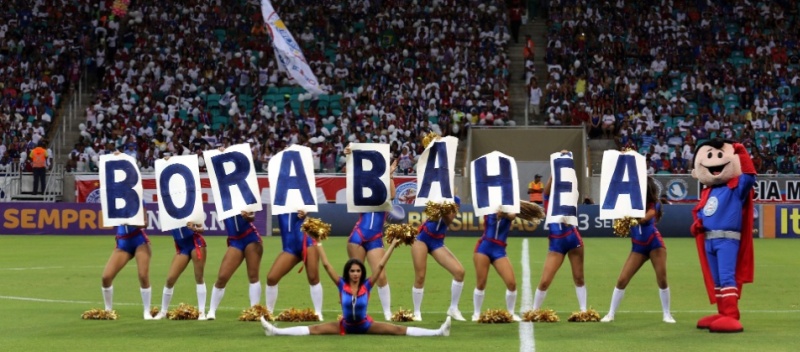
x=531, y=147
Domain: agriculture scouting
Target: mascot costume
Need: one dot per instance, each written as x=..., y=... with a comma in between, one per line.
x=723, y=228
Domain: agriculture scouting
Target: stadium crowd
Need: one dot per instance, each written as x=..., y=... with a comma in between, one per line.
x=661, y=76
x=42, y=45
x=182, y=77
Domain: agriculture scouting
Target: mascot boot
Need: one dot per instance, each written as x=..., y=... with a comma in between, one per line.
x=705, y=322
x=729, y=308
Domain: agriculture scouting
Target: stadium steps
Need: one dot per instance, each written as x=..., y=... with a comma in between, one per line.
x=596, y=149
x=72, y=133
x=518, y=97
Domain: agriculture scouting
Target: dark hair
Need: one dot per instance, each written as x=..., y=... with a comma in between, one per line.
x=349, y=264
x=652, y=196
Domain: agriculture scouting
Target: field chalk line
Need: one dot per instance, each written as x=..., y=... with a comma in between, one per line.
x=526, y=340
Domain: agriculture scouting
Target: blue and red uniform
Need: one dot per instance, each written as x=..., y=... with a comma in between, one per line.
x=368, y=231
x=563, y=237
x=495, y=234
x=355, y=319
x=130, y=237
x=240, y=232
x=432, y=234
x=721, y=215
x=295, y=241
x=645, y=237
x=186, y=240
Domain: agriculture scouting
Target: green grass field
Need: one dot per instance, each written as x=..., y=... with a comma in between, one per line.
x=46, y=282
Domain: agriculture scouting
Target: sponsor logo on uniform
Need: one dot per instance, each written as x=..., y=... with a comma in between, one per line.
x=711, y=206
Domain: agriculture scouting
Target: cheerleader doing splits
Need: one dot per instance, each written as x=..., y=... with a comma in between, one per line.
x=354, y=290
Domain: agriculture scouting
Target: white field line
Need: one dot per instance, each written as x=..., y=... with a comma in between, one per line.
x=526, y=340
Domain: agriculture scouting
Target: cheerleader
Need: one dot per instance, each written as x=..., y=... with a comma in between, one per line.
x=354, y=291
x=491, y=251
x=430, y=240
x=366, y=243
x=189, y=246
x=565, y=241
x=646, y=244
x=244, y=244
x=132, y=242
x=297, y=247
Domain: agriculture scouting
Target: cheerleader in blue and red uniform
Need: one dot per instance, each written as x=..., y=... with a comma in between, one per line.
x=132, y=242
x=646, y=244
x=366, y=243
x=565, y=241
x=354, y=290
x=491, y=251
x=189, y=246
x=244, y=244
x=430, y=240
x=297, y=247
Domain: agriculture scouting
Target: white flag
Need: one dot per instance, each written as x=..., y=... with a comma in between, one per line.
x=287, y=51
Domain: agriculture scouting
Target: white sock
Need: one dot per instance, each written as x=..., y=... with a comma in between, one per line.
x=271, y=292
x=616, y=298
x=511, y=300
x=664, y=300
x=293, y=331
x=412, y=331
x=386, y=299
x=255, y=293
x=416, y=295
x=108, y=297
x=201, y=298
x=455, y=293
x=147, y=293
x=538, y=298
x=216, y=297
x=477, y=300
x=166, y=297
x=316, y=297
x=581, y=292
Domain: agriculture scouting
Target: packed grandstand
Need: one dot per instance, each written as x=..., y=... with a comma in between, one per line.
x=174, y=78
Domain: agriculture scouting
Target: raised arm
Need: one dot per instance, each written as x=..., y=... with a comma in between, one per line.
x=327, y=265
x=384, y=260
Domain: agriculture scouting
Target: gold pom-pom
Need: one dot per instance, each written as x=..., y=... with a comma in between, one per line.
x=496, y=316
x=531, y=212
x=154, y=311
x=590, y=315
x=406, y=233
x=297, y=315
x=434, y=211
x=430, y=137
x=183, y=312
x=99, y=314
x=622, y=227
x=541, y=316
x=339, y=317
x=316, y=228
x=403, y=315
x=255, y=313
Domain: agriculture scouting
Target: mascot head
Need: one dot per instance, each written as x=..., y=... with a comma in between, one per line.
x=717, y=161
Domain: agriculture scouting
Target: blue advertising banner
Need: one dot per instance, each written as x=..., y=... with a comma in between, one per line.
x=86, y=219
x=674, y=223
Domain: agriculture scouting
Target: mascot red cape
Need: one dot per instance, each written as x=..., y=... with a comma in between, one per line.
x=723, y=228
